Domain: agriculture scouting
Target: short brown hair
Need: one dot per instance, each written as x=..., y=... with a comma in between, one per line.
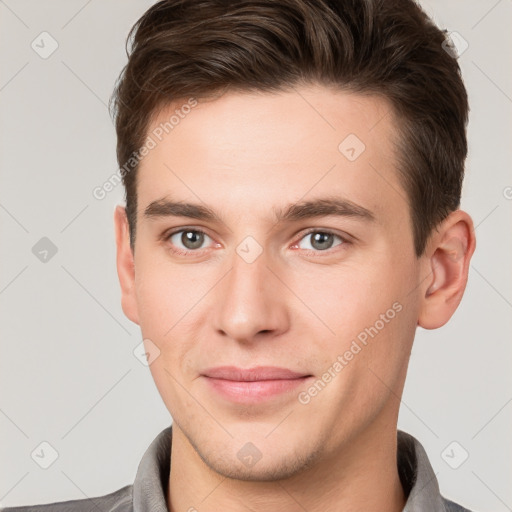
x=199, y=48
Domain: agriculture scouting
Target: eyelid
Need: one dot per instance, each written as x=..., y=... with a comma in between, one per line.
x=344, y=236
x=172, y=231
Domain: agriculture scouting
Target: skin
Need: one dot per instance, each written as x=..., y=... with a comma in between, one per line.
x=298, y=305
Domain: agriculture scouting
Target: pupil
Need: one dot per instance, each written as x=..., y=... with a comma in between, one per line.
x=192, y=239
x=322, y=240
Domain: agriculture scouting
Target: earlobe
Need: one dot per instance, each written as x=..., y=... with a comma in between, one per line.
x=125, y=265
x=448, y=257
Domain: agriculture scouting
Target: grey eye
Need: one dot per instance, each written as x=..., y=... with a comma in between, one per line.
x=189, y=239
x=320, y=240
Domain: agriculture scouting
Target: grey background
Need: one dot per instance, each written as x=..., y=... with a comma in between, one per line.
x=67, y=369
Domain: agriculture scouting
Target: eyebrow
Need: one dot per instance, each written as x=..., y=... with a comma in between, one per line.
x=292, y=213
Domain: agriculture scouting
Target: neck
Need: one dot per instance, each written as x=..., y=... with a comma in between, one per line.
x=360, y=476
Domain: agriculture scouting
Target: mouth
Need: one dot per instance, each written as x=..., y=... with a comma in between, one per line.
x=253, y=385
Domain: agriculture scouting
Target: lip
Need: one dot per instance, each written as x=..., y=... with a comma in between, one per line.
x=253, y=385
x=252, y=374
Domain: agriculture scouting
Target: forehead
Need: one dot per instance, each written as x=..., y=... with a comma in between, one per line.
x=260, y=151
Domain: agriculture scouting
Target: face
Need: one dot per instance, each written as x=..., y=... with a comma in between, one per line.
x=295, y=252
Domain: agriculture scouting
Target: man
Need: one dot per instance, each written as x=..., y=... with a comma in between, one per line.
x=293, y=173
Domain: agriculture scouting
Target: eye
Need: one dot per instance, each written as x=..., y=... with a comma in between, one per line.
x=319, y=241
x=187, y=240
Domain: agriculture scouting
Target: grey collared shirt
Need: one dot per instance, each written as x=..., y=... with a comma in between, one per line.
x=148, y=492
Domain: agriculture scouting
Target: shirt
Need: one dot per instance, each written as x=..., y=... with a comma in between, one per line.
x=148, y=492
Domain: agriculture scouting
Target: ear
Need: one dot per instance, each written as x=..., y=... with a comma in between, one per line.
x=125, y=265
x=446, y=263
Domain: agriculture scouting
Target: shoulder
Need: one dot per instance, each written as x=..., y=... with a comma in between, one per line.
x=451, y=506
x=117, y=501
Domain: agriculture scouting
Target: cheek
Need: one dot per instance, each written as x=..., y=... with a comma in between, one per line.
x=346, y=298
x=172, y=387
x=365, y=312
x=165, y=294
x=168, y=303
x=165, y=322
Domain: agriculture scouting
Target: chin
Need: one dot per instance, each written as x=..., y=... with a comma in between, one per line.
x=280, y=467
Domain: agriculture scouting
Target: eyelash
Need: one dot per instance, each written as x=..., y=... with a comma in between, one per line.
x=184, y=252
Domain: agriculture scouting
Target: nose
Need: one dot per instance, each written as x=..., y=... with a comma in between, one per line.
x=250, y=303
